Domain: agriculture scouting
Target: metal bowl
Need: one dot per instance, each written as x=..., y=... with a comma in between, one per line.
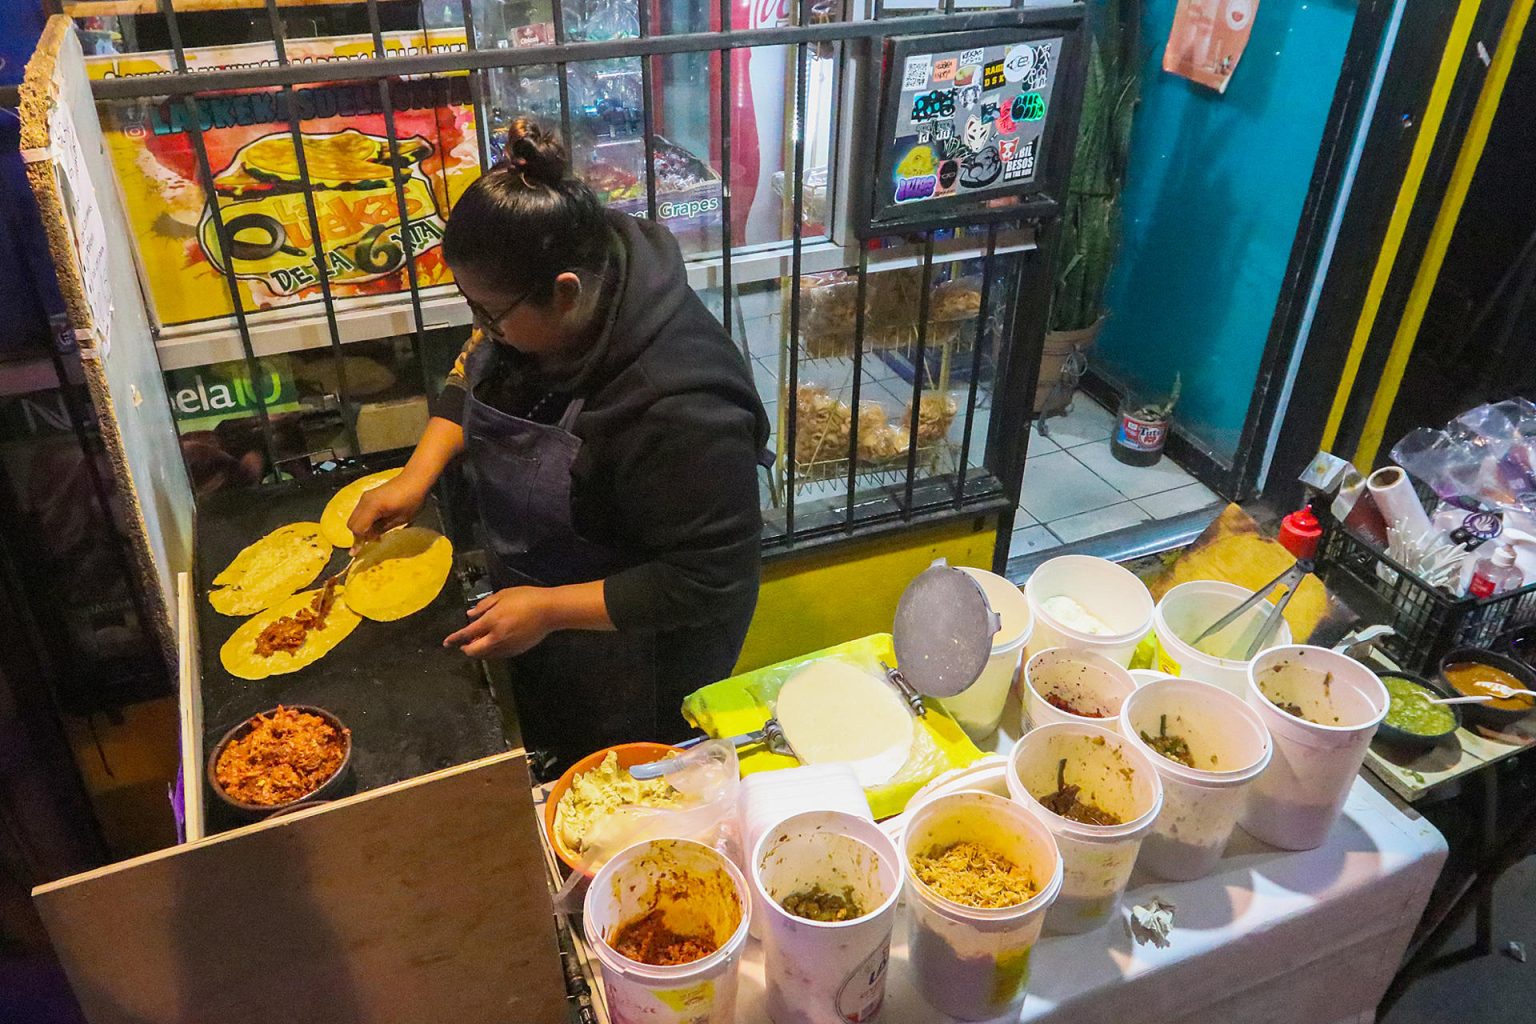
x=1482, y=714
x=330, y=789
x=1406, y=740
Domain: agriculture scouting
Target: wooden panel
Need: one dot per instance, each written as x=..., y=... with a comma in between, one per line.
x=190, y=702
x=425, y=901
x=92, y=250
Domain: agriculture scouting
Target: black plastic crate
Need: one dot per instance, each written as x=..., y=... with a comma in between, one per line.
x=1428, y=620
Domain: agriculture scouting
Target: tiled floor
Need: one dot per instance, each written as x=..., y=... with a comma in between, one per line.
x=1074, y=489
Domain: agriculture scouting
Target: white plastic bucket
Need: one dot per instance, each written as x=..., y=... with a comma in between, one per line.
x=979, y=708
x=1143, y=676
x=1109, y=592
x=968, y=962
x=826, y=972
x=1186, y=611
x=1114, y=776
x=767, y=798
x=1295, y=802
x=1230, y=747
x=712, y=899
x=1084, y=679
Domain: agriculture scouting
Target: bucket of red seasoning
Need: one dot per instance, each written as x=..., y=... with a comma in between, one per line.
x=668, y=919
x=981, y=874
x=1064, y=685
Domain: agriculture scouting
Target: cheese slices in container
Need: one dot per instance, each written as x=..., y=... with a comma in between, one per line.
x=836, y=712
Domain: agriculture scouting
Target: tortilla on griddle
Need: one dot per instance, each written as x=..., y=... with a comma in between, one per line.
x=399, y=574
x=239, y=657
x=333, y=521
x=288, y=558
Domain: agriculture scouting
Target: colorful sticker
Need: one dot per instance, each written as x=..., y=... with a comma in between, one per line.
x=1007, y=149
x=989, y=111
x=980, y=169
x=976, y=134
x=967, y=74
x=972, y=56
x=910, y=190
x=918, y=162
x=992, y=76
x=1018, y=62
x=863, y=990
x=949, y=174
x=930, y=106
x=1028, y=106
x=969, y=97
x=1040, y=74
x=1005, y=123
x=916, y=74
x=944, y=69
x=1021, y=164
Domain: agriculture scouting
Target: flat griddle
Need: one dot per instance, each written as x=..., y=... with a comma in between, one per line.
x=413, y=706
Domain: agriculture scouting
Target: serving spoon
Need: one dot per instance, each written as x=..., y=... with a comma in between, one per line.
x=1463, y=700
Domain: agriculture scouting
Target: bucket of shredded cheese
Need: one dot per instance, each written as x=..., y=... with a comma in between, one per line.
x=981, y=873
x=1088, y=604
x=667, y=920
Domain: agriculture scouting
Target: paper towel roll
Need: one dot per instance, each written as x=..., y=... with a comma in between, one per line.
x=1398, y=503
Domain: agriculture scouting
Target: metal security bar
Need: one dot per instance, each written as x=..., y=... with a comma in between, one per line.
x=854, y=488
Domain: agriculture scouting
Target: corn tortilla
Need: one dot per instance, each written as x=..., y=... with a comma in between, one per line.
x=239, y=657
x=399, y=574
x=273, y=568
x=333, y=521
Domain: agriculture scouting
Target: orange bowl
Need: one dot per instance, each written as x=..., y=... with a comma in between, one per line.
x=630, y=754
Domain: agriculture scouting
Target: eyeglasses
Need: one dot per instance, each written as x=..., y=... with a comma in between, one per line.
x=487, y=320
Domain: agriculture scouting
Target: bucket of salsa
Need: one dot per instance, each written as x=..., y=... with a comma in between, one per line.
x=1412, y=721
x=1474, y=672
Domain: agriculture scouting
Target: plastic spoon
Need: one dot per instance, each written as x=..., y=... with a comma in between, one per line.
x=1461, y=700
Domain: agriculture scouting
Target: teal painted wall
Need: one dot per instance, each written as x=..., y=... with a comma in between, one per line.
x=1214, y=191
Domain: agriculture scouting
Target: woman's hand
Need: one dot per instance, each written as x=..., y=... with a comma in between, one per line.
x=506, y=623
x=387, y=506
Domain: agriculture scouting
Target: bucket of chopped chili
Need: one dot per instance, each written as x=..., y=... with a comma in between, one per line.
x=277, y=759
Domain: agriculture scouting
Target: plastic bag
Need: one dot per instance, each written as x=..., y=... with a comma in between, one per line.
x=709, y=777
x=1484, y=457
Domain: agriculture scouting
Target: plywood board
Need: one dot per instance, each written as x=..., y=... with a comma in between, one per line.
x=425, y=902
x=90, y=242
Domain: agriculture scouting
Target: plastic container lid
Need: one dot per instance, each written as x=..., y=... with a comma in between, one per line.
x=943, y=631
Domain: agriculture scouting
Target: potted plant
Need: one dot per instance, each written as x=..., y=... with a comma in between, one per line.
x=1143, y=428
x=1090, y=223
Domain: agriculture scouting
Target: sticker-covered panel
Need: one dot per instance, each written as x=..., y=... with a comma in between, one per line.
x=970, y=121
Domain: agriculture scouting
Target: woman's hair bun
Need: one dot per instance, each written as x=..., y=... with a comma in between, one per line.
x=535, y=152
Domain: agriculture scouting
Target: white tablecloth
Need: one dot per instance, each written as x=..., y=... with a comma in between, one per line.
x=1270, y=937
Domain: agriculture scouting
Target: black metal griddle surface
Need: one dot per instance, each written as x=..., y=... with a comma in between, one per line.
x=413, y=706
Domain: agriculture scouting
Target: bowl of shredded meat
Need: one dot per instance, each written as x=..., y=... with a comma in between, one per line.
x=277, y=759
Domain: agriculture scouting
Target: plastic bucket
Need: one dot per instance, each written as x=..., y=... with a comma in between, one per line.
x=826, y=972
x=1109, y=592
x=1186, y=611
x=1082, y=678
x=979, y=708
x=698, y=891
x=1112, y=775
x=1296, y=801
x=968, y=962
x=1230, y=747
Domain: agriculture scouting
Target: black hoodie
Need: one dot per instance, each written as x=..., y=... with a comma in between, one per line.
x=671, y=431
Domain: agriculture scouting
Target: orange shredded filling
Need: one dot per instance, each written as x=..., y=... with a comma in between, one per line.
x=288, y=632
x=288, y=755
x=648, y=940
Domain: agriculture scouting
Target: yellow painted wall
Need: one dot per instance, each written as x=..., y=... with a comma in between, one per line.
x=842, y=593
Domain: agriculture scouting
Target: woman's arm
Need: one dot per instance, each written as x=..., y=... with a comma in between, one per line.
x=394, y=503
x=510, y=621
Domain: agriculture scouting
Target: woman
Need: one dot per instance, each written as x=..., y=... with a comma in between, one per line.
x=612, y=435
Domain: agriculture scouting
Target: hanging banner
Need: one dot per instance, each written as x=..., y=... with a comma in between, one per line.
x=1208, y=39
x=259, y=179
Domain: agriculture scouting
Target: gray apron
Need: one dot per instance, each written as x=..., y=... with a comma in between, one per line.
x=578, y=690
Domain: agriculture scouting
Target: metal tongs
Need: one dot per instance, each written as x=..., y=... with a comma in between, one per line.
x=1299, y=534
x=770, y=736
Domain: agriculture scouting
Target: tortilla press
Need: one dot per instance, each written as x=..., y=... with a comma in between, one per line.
x=942, y=635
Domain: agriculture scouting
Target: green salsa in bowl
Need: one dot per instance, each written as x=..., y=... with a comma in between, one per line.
x=1412, y=721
